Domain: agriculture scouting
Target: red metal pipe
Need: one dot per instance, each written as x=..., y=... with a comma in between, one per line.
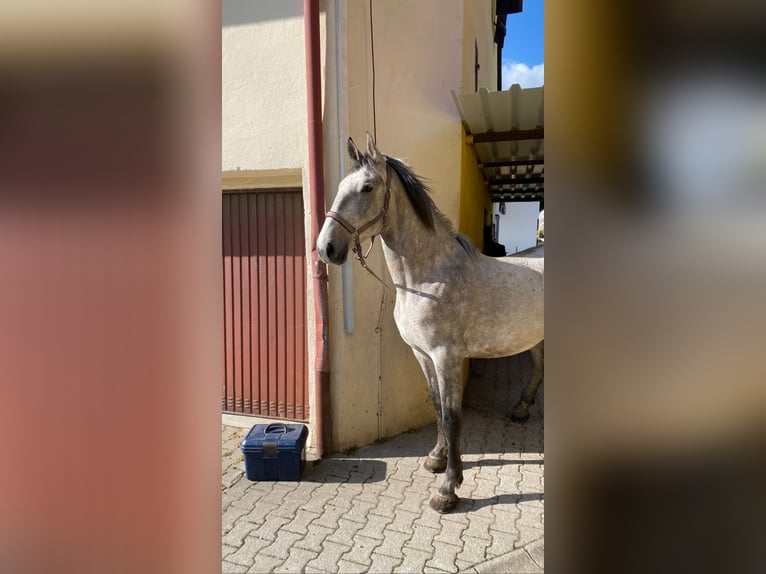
x=317, y=206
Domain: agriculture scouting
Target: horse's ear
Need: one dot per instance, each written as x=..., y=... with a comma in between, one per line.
x=371, y=149
x=353, y=151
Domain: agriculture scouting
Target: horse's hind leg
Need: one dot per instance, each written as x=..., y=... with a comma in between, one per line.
x=437, y=458
x=449, y=373
x=520, y=412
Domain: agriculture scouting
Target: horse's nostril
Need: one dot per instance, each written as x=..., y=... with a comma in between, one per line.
x=330, y=250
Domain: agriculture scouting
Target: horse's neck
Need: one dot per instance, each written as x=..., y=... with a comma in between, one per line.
x=411, y=250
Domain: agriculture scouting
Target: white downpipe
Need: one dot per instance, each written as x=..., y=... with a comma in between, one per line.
x=347, y=269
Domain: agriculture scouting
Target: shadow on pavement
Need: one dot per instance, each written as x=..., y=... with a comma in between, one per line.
x=473, y=504
x=350, y=470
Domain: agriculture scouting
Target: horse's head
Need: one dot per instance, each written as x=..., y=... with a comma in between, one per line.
x=360, y=208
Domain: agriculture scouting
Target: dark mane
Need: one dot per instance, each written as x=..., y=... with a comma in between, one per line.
x=416, y=190
x=418, y=194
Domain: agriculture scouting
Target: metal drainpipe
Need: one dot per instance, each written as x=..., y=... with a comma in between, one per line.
x=316, y=193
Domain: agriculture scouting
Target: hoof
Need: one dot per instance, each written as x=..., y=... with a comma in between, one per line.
x=442, y=504
x=519, y=418
x=435, y=465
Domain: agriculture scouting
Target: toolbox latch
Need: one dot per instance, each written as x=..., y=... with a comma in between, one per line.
x=270, y=449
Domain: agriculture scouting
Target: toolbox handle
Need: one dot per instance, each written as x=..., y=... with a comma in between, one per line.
x=275, y=425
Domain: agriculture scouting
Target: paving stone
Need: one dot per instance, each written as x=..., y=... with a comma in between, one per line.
x=386, y=506
x=393, y=542
x=396, y=488
x=451, y=533
x=232, y=514
x=485, y=488
x=403, y=521
x=536, y=551
x=502, y=543
x=349, y=567
x=527, y=534
x=505, y=519
x=314, y=538
x=272, y=526
x=281, y=546
x=330, y=516
x=383, y=563
x=361, y=551
x=236, y=536
x=329, y=556
x=375, y=526
x=359, y=511
x=414, y=499
x=226, y=550
x=261, y=512
x=317, y=502
x=300, y=523
x=474, y=550
x=414, y=560
x=531, y=515
x=370, y=492
x=249, y=550
x=516, y=561
x=249, y=499
x=344, y=534
x=232, y=568
x=231, y=476
x=344, y=498
x=422, y=538
x=444, y=557
x=265, y=563
x=237, y=489
x=430, y=518
x=297, y=561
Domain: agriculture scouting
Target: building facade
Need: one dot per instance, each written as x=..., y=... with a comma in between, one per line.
x=388, y=68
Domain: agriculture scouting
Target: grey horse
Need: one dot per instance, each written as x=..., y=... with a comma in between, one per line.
x=452, y=302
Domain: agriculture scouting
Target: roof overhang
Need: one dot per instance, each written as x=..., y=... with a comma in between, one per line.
x=506, y=130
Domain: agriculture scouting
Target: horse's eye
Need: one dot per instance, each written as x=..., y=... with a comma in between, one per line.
x=367, y=188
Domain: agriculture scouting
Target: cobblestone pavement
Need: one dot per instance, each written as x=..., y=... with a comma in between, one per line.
x=368, y=511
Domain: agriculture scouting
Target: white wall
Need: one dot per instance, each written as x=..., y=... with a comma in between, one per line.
x=518, y=227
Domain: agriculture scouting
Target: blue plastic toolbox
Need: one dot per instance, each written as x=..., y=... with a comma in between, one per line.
x=275, y=451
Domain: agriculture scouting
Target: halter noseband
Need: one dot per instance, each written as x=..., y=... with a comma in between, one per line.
x=357, y=231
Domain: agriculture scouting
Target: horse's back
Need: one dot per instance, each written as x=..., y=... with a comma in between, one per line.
x=507, y=306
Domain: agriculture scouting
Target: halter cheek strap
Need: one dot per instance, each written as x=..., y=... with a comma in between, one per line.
x=355, y=232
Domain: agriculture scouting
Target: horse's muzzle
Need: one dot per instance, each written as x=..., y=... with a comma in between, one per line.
x=332, y=253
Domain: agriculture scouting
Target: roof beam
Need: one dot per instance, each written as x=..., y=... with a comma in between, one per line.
x=512, y=163
x=505, y=199
x=516, y=181
x=509, y=136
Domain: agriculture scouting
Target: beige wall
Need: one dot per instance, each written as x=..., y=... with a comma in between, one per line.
x=264, y=113
x=478, y=26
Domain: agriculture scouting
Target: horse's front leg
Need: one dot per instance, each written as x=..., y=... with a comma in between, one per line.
x=520, y=412
x=449, y=375
x=437, y=458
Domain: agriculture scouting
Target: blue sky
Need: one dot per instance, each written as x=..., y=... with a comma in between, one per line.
x=523, y=52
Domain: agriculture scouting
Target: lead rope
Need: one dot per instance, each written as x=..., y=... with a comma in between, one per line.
x=357, y=249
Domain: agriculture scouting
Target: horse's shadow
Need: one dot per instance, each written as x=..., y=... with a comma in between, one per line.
x=468, y=464
x=473, y=504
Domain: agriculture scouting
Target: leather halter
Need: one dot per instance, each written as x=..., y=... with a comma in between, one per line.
x=355, y=232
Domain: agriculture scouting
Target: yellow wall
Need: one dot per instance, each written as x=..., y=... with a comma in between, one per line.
x=474, y=198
